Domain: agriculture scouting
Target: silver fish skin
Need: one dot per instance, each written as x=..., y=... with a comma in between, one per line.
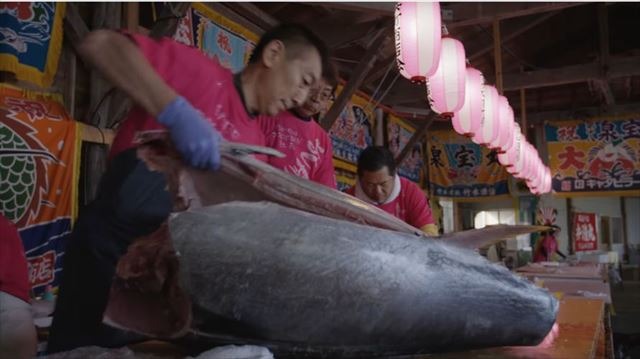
x=274, y=274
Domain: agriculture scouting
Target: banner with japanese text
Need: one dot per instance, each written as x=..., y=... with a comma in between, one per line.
x=31, y=40
x=39, y=150
x=398, y=134
x=346, y=174
x=352, y=131
x=217, y=36
x=462, y=169
x=599, y=157
x=584, y=232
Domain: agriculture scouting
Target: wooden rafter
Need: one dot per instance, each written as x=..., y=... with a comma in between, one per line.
x=484, y=13
x=355, y=79
x=510, y=33
x=464, y=14
x=620, y=67
x=602, y=84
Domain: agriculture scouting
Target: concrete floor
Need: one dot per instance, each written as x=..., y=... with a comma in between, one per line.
x=626, y=321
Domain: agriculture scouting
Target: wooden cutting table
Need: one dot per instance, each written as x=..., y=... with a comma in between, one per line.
x=581, y=336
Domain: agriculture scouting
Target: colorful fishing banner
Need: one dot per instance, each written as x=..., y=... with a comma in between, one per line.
x=398, y=134
x=584, y=232
x=463, y=169
x=352, y=131
x=227, y=41
x=39, y=150
x=601, y=157
x=31, y=40
x=346, y=174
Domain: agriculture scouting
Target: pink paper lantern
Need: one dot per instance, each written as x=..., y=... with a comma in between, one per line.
x=418, y=35
x=518, y=166
x=537, y=178
x=522, y=168
x=532, y=166
x=445, y=88
x=548, y=181
x=467, y=120
x=544, y=182
x=508, y=158
x=505, y=126
x=488, y=130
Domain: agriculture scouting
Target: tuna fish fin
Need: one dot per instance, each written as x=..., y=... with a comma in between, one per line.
x=481, y=238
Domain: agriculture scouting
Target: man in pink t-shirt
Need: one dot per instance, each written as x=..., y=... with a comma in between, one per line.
x=306, y=145
x=380, y=185
x=178, y=89
x=17, y=332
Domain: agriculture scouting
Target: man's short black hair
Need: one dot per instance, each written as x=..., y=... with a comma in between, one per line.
x=374, y=158
x=291, y=35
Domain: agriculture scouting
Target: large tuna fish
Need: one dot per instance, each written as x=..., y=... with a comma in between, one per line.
x=304, y=283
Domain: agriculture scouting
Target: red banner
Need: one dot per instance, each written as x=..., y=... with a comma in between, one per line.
x=584, y=232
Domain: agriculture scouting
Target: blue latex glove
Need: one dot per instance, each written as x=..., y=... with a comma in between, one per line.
x=192, y=134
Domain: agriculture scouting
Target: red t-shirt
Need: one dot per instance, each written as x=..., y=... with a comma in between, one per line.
x=411, y=204
x=14, y=273
x=306, y=145
x=202, y=81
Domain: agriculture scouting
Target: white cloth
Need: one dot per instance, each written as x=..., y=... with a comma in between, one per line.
x=17, y=332
x=394, y=193
x=237, y=352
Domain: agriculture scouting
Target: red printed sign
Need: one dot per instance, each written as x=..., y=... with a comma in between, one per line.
x=584, y=232
x=42, y=269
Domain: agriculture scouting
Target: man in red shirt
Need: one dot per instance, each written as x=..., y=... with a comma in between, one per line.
x=17, y=332
x=179, y=89
x=380, y=185
x=295, y=133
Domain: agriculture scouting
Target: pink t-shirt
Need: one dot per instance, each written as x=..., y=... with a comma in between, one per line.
x=411, y=204
x=306, y=145
x=14, y=275
x=202, y=81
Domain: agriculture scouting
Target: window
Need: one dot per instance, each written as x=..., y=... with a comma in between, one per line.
x=501, y=216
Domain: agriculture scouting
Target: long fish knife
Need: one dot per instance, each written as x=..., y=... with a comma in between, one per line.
x=484, y=237
x=236, y=148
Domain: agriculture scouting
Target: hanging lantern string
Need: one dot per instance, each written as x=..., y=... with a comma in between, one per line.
x=375, y=93
x=384, y=94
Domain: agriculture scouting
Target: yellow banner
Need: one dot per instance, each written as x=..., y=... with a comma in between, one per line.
x=596, y=157
x=460, y=168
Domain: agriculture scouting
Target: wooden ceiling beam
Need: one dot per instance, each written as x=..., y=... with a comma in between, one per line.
x=381, y=8
x=467, y=14
x=413, y=110
x=254, y=14
x=602, y=85
x=464, y=14
x=380, y=69
x=355, y=79
x=511, y=32
x=339, y=36
x=620, y=67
